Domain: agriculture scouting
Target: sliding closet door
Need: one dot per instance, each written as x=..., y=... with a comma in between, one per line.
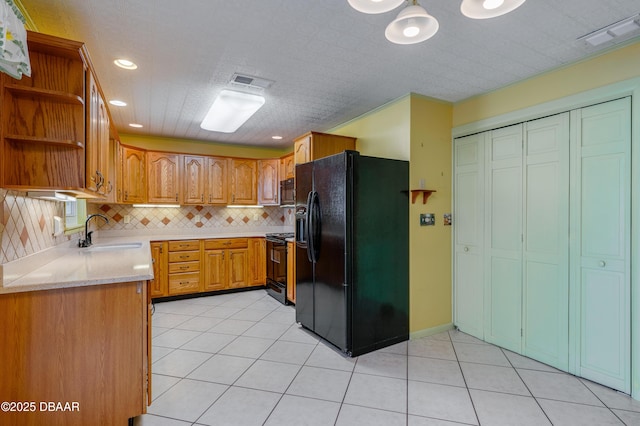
x=503, y=245
x=546, y=241
x=468, y=234
x=601, y=256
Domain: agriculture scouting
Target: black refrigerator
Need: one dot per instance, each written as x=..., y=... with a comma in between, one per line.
x=352, y=250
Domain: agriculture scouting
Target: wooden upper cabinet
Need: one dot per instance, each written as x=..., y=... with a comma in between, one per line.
x=314, y=145
x=244, y=181
x=287, y=167
x=164, y=177
x=132, y=176
x=194, y=178
x=302, y=149
x=218, y=180
x=268, y=182
x=97, y=168
x=43, y=118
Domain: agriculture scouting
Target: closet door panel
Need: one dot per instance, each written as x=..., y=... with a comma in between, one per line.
x=546, y=241
x=602, y=250
x=503, y=248
x=468, y=234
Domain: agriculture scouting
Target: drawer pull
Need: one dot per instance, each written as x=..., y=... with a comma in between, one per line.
x=184, y=257
x=184, y=267
x=185, y=282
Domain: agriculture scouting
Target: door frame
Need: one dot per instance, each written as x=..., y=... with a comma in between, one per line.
x=602, y=94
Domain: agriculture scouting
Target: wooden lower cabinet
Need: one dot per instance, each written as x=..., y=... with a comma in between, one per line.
x=184, y=267
x=257, y=261
x=159, y=285
x=226, y=263
x=195, y=266
x=85, y=346
x=291, y=271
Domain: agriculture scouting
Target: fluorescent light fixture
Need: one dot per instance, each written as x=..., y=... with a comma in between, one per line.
x=125, y=64
x=50, y=195
x=240, y=206
x=277, y=138
x=615, y=33
x=135, y=125
x=157, y=206
x=116, y=102
x=374, y=6
x=231, y=110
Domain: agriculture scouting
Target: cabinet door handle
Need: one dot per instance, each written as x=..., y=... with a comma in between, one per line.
x=126, y=195
x=210, y=198
x=466, y=249
x=602, y=263
x=176, y=196
x=202, y=198
x=109, y=187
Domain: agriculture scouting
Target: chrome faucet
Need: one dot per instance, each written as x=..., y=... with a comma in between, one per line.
x=87, y=235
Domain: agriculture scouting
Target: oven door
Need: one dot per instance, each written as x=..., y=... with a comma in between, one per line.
x=277, y=261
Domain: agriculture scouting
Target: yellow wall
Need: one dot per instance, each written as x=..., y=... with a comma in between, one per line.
x=430, y=246
x=418, y=129
x=383, y=132
x=614, y=66
x=200, y=147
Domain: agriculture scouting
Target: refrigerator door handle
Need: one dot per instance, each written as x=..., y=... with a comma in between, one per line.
x=315, y=225
x=307, y=225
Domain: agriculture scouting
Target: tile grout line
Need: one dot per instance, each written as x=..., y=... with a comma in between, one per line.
x=464, y=379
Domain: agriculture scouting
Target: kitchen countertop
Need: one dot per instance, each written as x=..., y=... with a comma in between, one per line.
x=67, y=265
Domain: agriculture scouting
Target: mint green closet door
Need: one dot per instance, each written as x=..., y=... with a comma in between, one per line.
x=546, y=241
x=503, y=241
x=601, y=252
x=468, y=227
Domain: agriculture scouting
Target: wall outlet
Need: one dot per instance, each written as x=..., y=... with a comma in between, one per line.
x=127, y=218
x=197, y=218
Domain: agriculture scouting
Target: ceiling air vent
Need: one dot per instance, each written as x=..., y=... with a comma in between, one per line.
x=250, y=82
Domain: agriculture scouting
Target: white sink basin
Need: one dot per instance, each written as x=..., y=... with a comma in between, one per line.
x=115, y=246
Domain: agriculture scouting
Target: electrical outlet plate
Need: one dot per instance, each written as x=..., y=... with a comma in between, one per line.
x=427, y=219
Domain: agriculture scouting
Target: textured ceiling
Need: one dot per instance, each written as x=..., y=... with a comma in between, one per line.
x=329, y=63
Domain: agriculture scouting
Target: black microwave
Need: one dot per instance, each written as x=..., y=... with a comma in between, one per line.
x=287, y=192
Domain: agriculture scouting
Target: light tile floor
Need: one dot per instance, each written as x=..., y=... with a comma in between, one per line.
x=240, y=359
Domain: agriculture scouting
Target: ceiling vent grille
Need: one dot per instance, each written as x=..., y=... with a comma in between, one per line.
x=250, y=82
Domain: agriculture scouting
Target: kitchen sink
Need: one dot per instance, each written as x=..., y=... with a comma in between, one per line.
x=115, y=246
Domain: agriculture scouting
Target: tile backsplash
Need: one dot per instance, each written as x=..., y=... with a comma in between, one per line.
x=126, y=217
x=26, y=225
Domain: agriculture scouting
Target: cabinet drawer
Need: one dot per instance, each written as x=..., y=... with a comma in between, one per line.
x=184, y=256
x=226, y=243
x=184, y=267
x=184, y=283
x=184, y=245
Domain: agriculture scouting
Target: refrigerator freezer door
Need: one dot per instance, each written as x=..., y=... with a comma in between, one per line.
x=331, y=183
x=304, y=268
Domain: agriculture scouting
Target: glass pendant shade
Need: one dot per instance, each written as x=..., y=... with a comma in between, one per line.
x=484, y=9
x=374, y=6
x=412, y=25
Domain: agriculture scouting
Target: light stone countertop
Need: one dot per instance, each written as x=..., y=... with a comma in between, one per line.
x=67, y=265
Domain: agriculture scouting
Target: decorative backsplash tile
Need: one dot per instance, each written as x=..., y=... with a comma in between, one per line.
x=126, y=217
x=26, y=225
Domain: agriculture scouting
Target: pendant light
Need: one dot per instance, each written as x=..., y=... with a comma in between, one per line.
x=412, y=25
x=375, y=6
x=483, y=9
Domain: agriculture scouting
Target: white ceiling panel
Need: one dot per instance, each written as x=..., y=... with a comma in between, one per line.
x=329, y=63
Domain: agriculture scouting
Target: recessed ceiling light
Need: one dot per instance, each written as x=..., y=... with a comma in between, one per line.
x=116, y=102
x=276, y=137
x=136, y=125
x=126, y=64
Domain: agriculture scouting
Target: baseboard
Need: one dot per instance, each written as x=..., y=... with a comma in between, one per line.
x=430, y=331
